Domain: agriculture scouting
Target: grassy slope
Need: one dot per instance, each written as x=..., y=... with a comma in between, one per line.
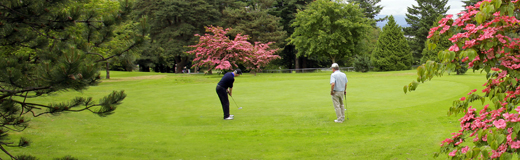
x=284, y=116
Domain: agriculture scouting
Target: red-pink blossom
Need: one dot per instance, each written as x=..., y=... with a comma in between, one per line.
x=444, y=29
x=463, y=98
x=500, y=124
x=454, y=48
x=464, y=150
x=453, y=153
x=217, y=51
x=446, y=141
x=515, y=144
x=459, y=142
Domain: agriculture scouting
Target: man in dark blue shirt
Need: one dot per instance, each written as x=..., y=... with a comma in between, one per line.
x=224, y=87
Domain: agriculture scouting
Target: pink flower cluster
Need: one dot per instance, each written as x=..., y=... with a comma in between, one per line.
x=217, y=51
x=485, y=119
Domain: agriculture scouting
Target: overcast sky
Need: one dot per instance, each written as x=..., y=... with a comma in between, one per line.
x=398, y=7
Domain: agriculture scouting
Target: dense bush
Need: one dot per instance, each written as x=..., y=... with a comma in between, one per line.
x=362, y=63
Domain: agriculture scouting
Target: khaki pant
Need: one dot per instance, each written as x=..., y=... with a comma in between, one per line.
x=337, y=100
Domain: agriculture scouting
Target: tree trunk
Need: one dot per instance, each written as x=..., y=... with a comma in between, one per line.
x=296, y=62
x=181, y=62
x=108, y=71
x=304, y=63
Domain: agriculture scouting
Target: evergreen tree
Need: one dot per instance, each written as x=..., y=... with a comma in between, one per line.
x=370, y=8
x=255, y=21
x=392, y=52
x=48, y=47
x=421, y=18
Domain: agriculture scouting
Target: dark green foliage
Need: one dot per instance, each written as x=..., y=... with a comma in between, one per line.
x=173, y=26
x=254, y=20
x=25, y=157
x=421, y=17
x=286, y=10
x=370, y=8
x=66, y=158
x=392, y=52
x=52, y=46
x=462, y=68
x=362, y=63
x=367, y=45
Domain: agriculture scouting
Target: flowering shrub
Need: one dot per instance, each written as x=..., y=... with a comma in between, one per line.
x=487, y=40
x=217, y=51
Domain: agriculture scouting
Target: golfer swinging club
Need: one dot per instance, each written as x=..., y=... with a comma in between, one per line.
x=225, y=87
x=338, y=88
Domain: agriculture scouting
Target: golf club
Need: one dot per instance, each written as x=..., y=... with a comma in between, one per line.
x=345, y=103
x=235, y=102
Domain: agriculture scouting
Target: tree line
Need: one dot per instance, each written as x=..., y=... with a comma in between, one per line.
x=304, y=39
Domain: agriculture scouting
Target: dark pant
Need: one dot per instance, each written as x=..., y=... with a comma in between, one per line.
x=222, y=95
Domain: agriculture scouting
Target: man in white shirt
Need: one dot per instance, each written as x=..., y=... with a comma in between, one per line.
x=338, y=88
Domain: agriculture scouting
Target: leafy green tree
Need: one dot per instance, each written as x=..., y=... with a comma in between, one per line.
x=421, y=18
x=368, y=45
x=371, y=9
x=173, y=26
x=327, y=29
x=48, y=47
x=392, y=52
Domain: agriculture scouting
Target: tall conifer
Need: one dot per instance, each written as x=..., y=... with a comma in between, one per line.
x=392, y=52
x=421, y=17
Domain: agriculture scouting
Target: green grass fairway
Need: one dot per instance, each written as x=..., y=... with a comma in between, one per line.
x=284, y=116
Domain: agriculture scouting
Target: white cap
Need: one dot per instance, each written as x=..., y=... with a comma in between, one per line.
x=334, y=65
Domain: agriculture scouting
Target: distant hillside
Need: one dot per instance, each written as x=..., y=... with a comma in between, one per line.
x=399, y=19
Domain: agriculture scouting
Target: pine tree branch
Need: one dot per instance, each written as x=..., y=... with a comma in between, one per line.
x=98, y=54
x=14, y=92
x=30, y=104
x=24, y=99
x=13, y=129
x=8, y=8
x=103, y=40
x=87, y=21
x=36, y=30
x=5, y=151
x=119, y=54
x=68, y=110
x=25, y=90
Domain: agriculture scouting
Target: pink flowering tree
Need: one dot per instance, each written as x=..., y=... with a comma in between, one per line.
x=217, y=51
x=260, y=56
x=485, y=37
